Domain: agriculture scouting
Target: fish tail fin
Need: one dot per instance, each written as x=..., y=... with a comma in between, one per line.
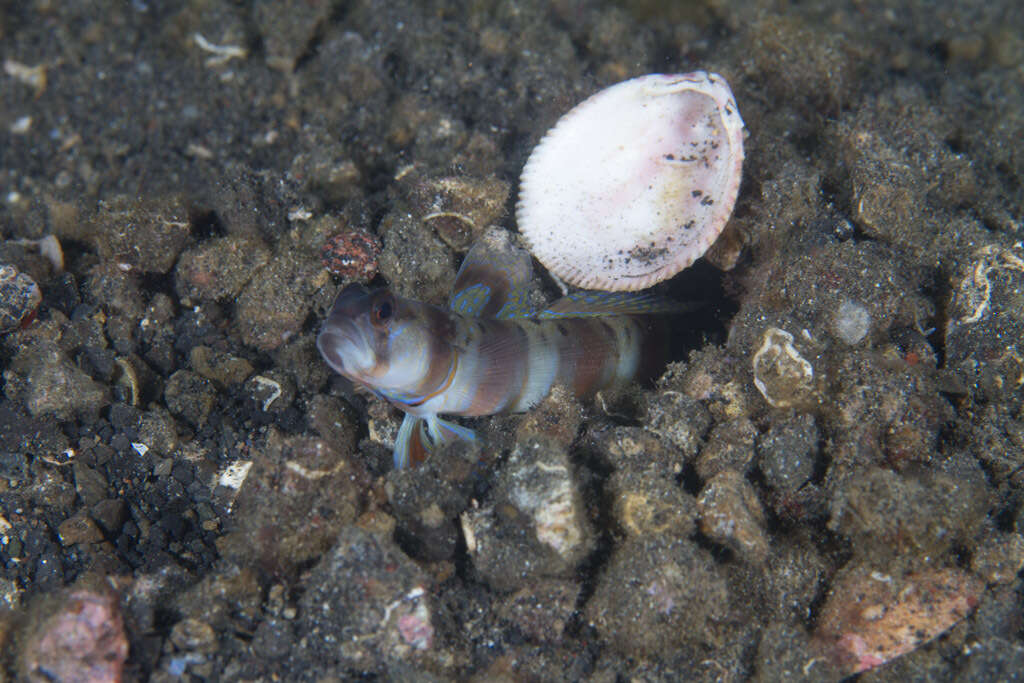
x=419, y=437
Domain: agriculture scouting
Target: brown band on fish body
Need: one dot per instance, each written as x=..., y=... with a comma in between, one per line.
x=503, y=370
x=595, y=342
x=440, y=322
x=530, y=331
x=618, y=334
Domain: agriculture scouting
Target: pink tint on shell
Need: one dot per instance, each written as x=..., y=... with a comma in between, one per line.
x=635, y=183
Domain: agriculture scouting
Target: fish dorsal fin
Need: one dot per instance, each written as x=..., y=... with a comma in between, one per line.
x=493, y=278
x=591, y=304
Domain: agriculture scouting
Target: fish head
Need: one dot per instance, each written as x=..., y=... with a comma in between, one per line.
x=378, y=339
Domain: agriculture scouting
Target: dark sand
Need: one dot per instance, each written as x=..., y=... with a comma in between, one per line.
x=828, y=475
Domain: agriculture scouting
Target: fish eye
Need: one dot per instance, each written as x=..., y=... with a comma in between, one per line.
x=383, y=310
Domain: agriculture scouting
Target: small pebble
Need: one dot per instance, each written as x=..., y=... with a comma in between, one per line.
x=193, y=635
x=79, y=529
x=219, y=366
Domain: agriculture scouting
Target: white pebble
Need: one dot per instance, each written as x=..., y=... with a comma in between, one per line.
x=852, y=322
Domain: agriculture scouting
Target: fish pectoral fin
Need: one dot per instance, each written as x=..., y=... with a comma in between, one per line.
x=419, y=437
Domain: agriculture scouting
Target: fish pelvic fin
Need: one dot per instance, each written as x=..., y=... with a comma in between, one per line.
x=409, y=448
x=419, y=437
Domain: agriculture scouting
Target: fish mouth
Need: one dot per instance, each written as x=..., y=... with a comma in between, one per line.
x=342, y=341
x=345, y=348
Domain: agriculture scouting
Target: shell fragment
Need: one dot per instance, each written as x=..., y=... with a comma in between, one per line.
x=635, y=183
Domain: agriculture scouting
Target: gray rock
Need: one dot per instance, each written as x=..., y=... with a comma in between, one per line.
x=886, y=514
x=366, y=605
x=786, y=652
x=730, y=446
x=272, y=307
x=542, y=610
x=46, y=382
x=787, y=452
x=731, y=514
x=656, y=594
x=427, y=500
x=219, y=268
x=535, y=524
x=298, y=494
x=90, y=485
x=679, y=419
x=414, y=260
x=141, y=234
x=646, y=505
x=190, y=396
x=987, y=312
x=638, y=450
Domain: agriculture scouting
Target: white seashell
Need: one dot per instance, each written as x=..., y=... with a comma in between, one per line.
x=635, y=183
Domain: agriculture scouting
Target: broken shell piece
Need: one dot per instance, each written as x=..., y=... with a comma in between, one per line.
x=635, y=183
x=781, y=374
x=20, y=297
x=459, y=208
x=48, y=247
x=126, y=385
